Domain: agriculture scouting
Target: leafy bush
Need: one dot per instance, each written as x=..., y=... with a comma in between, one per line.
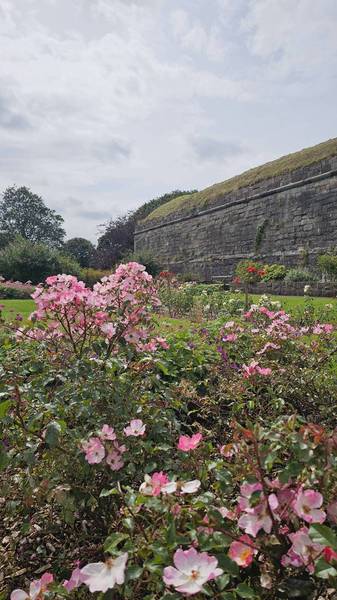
x=91, y=276
x=274, y=272
x=206, y=466
x=24, y=261
x=249, y=271
x=81, y=249
x=145, y=258
x=301, y=275
x=67, y=265
x=328, y=265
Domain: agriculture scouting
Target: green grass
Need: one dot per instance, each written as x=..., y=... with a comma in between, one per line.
x=277, y=167
x=13, y=307
x=167, y=324
x=289, y=303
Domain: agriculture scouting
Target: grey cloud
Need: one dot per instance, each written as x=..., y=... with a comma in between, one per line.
x=9, y=119
x=207, y=148
x=113, y=149
x=94, y=215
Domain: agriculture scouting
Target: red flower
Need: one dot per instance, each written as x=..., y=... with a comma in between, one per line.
x=329, y=554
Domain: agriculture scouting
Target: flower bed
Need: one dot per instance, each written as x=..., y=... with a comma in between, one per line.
x=202, y=465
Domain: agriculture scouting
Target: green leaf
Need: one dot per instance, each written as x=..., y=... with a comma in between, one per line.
x=52, y=434
x=171, y=533
x=228, y=565
x=4, y=407
x=105, y=493
x=134, y=572
x=223, y=581
x=4, y=459
x=245, y=591
x=323, y=570
x=113, y=540
x=321, y=534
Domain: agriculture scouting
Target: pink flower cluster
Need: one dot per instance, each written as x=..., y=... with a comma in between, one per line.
x=187, y=443
x=37, y=589
x=254, y=369
x=119, y=308
x=105, y=445
x=278, y=326
x=282, y=507
x=231, y=331
x=159, y=483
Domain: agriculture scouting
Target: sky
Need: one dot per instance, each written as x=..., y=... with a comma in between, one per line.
x=105, y=104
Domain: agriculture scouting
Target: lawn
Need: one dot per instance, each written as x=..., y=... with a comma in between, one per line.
x=289, y=303
x=13, y=307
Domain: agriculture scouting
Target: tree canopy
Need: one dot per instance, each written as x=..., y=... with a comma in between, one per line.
x=81, y=249
x=117, y=237
x=24, y=214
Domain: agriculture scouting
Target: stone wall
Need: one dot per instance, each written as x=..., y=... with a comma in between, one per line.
x=277, y=220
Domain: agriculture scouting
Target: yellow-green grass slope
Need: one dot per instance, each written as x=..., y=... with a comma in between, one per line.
x=275, y=168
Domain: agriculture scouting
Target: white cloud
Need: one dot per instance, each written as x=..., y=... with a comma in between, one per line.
x=297, y=37
x=196, y=38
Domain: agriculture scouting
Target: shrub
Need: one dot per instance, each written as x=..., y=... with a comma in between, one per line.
x=70, y=316
x=67, y=265
x=91, y=276
x=144, y=258
x=152, y=456
x=24, y=261
x=301, y=275
x=81, y=249
x=274, y=272
x=249, y=271
x=327, y=264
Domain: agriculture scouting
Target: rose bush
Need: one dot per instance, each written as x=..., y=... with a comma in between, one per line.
x=134, y=467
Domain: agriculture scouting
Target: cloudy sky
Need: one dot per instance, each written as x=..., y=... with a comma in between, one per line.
x=105, y=104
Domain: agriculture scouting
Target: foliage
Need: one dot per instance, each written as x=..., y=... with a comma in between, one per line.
x=300, y=274
x=80, y=249
x=327, y=264
x=249, y=271
x=260, y=233
x=274, y=272
x=147, y=469
x=67, y=264
x=145, y=258
x=117, y=239
x=91, y=276
x=24, y=261
x=25, y=214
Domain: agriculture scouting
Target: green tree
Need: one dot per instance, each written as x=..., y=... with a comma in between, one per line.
x=80, y=249
x=118, y=234
x=25, y=214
